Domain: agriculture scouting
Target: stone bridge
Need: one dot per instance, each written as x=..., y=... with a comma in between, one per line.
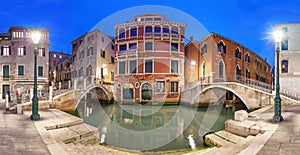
x=103, y=94
x=253, y=96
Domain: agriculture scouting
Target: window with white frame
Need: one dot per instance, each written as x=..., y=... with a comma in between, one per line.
x=18, y=34
x=5, y=50
x=133, y=32
x=148, y=66
x=174, y=47
x=122, y=67
x=174, y=66
x=160, y=86
x=122, y=33
x=42, y=52
x=132, y=66
x=174, y=87
x=20, y=70
x=22, y=50
x=148, y=46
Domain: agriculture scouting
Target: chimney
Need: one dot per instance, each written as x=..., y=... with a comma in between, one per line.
x=191, y=38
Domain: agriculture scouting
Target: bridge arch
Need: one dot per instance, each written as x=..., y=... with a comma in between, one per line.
x=87, y=90
x=220, y=87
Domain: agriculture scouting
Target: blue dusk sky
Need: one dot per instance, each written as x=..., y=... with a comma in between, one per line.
x=247, y=22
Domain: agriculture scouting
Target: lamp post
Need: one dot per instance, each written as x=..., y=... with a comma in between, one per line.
x=277, y=101
x=35, y=36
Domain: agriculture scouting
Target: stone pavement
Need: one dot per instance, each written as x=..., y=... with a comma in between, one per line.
x=286, y=139
x=19, y=136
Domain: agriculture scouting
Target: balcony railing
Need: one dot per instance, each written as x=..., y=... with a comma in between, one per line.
x=161, y=35
x=132, y=52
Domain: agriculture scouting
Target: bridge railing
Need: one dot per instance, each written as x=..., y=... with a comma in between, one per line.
x=290, y=93
x=238, y=79
x=250, y=82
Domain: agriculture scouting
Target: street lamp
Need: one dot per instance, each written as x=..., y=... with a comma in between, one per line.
x=35, y=36
x=277, y=105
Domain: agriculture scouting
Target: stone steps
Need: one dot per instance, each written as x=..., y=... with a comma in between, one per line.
x=225, y=138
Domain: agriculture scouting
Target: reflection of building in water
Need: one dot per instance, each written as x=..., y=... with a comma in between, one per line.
x=152, y=127
x=149, y=59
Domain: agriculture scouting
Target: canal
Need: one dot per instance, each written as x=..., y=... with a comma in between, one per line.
x=153, y=128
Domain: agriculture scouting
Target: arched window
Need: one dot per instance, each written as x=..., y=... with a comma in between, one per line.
x=148, y=29
x=204, y=49
x=166, y=29
x=247, y=58
x=133, y=32
x=122, y=33
x=221, y=47
x=157, y=29
x=238, y=72
x=247, y=74
x=174, y=30
x=284, y=66
x=203, y=70
x=221, y=69
x=238, y=54
x=146, y=91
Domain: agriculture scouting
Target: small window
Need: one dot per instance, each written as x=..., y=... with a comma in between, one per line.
x=148, y=66
x=123, y=47
x=133, y=67
x=20, y=70
x=102, y=39
x=284, y=44
x=174, y=47
x=284, y=29
x=60, y=56
x=121, y=33
x=21, y=50
x=203, y=70
x=148, y=46
x=157, y=29
x=132, y=46
x=5, y=71
x=174, y=87
x=42, y=52
x=204, y=49
x=238, y=54
x=148, y=29
x=40, y=71
x=221, y=69
x=247, y=74
x=221, y=47
x=166, y=29
x=174, y=30
x=127, y=93
x=122, y=66
x=5, y=50
x=174, y=66
x=247, y=58
x=160, y=87
x=133, y=32
x=284, y=66
x=102, y=53
x=112, y=60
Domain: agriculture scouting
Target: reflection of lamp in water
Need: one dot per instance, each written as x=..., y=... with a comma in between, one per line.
x=192, y=142
x=102, y=138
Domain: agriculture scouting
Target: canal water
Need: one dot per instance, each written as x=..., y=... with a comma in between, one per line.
x=153, y=128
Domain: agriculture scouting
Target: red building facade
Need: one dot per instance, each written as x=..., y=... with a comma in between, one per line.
x=217, y=58
x=149, y=62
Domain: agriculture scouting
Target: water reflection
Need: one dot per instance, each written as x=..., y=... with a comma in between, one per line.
x=153, y=128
